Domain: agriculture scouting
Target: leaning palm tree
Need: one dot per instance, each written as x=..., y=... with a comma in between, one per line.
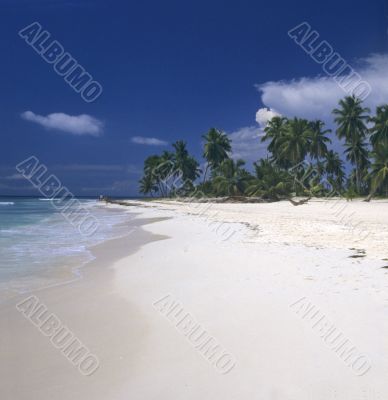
x=216, y=149
x=379, y=130
x=379, y=172
x=351, y=119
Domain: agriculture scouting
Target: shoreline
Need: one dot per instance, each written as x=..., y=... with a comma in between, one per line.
x=240, y=291
x=87, y=306
x=68, y=268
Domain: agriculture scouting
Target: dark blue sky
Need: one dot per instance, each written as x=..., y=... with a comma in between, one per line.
x=169, y=70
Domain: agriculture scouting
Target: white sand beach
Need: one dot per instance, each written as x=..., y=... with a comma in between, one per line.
x=293, y=302
x=194, y=200
x=323, y=223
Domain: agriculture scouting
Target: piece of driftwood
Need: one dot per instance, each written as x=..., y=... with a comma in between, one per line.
x=300, y=202
x=120, y=202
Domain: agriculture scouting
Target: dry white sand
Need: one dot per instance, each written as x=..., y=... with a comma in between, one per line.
x=239, y=285
x=331, y=223
x=240, y=288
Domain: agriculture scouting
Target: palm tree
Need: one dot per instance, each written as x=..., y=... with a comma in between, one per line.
x=151, y=165
x=271, y=182
x=159, y=170
x=379, y=172
x=357, y=153
x=164, y=171
x=216, y=148
x=231, y=179
x=334, y=168
x=319, y=140
x=294, y=143
x=379, y=131
x=170, y=173
x=274, y=131
x=351, y=118
x=180, y=150
x=184, y=164
x=186, y=170
x=334, y=164
x=147, y=185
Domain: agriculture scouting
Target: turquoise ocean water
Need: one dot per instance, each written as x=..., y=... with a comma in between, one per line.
x=37, y=241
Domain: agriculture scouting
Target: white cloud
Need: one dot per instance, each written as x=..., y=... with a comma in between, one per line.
x=246, y=141
x=309, y=98
x=118, y=187
x=134, y=169
x=149, y=141
x=15, y=177
x=75, y=124
x=316, y=97
x=263, y=115
x=246, y=144
x=89, y=167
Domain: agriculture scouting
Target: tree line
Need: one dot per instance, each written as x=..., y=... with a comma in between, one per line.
x=299, y=161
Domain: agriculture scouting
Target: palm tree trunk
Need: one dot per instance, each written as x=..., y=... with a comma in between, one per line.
x=204, y=176
x=358, y=178
x=371, y=194
x=369, y=198
x=161, y=189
